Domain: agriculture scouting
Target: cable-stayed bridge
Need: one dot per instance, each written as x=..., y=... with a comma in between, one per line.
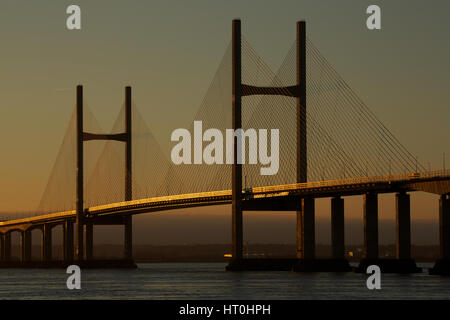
x=331, y=145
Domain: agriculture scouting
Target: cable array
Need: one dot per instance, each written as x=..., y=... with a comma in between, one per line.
x=344, y=138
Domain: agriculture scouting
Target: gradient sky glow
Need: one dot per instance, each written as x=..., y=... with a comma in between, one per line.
x=402, y=72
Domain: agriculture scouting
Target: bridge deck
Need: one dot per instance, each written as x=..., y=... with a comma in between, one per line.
x=280, y=193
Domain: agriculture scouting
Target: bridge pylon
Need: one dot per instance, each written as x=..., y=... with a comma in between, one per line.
x=304, y=207
x=84, y=228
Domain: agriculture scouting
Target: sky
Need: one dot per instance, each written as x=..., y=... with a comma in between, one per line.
x=169, y=50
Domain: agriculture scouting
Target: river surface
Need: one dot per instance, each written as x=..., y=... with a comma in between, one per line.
x=211, y=281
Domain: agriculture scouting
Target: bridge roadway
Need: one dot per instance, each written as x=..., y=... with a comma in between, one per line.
x=270, y=198
x=298, y=197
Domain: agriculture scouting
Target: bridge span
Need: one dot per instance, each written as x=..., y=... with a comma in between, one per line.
x=288, y=197
x=299, y=197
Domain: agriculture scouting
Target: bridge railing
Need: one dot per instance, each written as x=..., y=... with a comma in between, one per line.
x=351, y=181
x=256, y=190
x=280, y=188
x=187, y=196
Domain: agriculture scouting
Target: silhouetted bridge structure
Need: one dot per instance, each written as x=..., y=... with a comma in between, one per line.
x=299, y=196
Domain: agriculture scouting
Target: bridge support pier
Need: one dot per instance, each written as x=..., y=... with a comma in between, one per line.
x=128, y=238
x=442, y=265
x=2, y=247
x=306, y=235
x=26, y=245
x=22, y=246
x=370, y=226
x=403, y=226
x=46, y=243
x=403, y=262
x=444, y=226
x=79, y=244
x=68, y=242
x=7, y=246
x=337, y=228
x=306, y=243
x=89, y=233
x=370, y=220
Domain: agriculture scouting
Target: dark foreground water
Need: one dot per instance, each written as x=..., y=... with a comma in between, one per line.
x=211, y=281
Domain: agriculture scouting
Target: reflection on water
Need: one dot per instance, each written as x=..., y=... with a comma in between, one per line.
x=211, y=281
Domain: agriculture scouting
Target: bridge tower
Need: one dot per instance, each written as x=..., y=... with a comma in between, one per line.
x=442, y=265
x=84, y=223
x=305, y=211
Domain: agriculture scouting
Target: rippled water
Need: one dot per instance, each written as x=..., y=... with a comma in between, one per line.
x=211, y=281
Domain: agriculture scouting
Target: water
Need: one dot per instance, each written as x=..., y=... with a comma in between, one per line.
x=211, y=281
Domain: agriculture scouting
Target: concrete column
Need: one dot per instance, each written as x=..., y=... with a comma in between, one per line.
x=89, y=231
x=303, y=244
x=371, y=225
x=337, y=228
x=306, y=243
x=128, y=146
x=7, y=246
x=68, y=241
x=305, y=216
x=79, y=240
x=2, y=247
x=236, y=183
x=302, y=165
x=80, y=170
x=444, y=227
x=299, y=215
x=403, y=226
x=47, y=242
x=128, y=238
x=22, y=246
x=42, y=244
x=27, y=241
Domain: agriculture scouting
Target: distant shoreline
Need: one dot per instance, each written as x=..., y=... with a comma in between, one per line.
x=215, y=252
